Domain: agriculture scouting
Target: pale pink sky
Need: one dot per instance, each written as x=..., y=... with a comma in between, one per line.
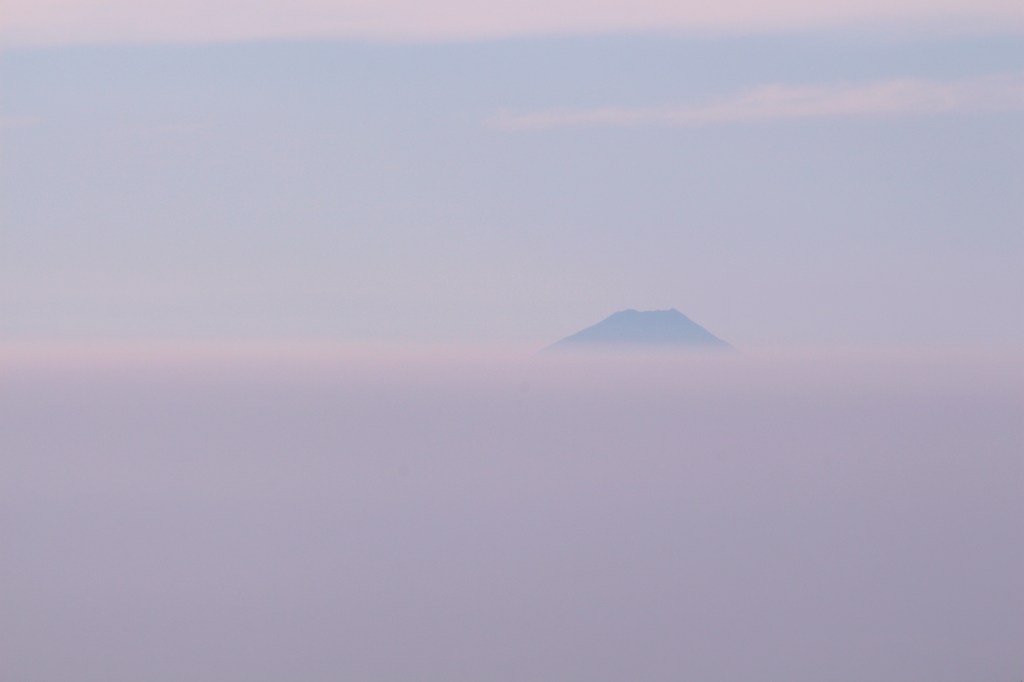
x=54, y=22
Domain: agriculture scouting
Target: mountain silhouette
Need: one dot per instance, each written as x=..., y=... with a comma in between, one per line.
x=643, y=329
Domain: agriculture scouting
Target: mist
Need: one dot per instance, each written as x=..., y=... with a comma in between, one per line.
x=503, y=517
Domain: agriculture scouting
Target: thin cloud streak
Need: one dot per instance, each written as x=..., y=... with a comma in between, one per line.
x=64, y=22
x=781, y=102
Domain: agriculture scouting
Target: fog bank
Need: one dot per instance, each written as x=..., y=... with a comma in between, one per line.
x=341, y=516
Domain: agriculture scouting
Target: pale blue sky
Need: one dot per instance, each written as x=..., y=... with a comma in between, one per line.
x=351, y=191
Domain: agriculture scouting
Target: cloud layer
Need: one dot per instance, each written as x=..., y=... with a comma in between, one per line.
x=297, y=519
x=771, y=102
x=56, y=22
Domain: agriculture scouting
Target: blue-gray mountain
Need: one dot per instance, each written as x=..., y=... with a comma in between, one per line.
x=643, y=329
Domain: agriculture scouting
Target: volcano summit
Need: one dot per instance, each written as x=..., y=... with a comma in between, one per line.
x=643, y=329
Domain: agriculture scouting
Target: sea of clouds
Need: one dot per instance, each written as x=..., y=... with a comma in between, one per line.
x=322, y=515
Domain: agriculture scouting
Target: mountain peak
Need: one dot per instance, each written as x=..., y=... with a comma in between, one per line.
x=649, y=329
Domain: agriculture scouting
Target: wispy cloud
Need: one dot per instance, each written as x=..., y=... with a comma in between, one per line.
x=775, y=102
x=61, y=22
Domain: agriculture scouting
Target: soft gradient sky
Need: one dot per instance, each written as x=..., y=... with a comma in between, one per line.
x=785, y=173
